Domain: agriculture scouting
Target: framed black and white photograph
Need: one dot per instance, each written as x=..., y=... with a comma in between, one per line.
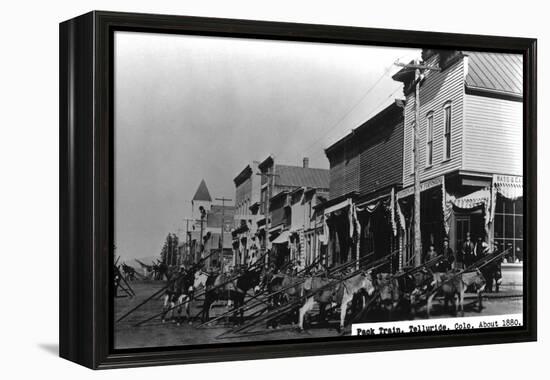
x=235, y=190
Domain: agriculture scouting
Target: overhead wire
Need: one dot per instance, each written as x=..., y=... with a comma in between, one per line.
x=350, y=110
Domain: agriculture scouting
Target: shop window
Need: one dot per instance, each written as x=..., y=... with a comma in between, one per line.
x=429, y=139
x=447, y=131
x=508, y=228
x=519, y=207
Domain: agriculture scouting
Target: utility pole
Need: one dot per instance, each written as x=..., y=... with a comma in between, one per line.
x=187, y=238
x=203, y=217
x=418, y=78
x=223, y=200
x=188, y=235
x=168, y=249
x=179, y=254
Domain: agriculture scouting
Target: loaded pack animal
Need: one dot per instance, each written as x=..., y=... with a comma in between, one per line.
x=417, y=283
x=326, y=291
x=282, y=288
x=129, y=272
x=287, y=285
x=452, y=286
x=393, y=299
x=493, y=274
x=281, y=281
x=178, y=294
x=230, y=287
x=160, y=271
x=200, y=280
x=415, y=287
x=147, y=269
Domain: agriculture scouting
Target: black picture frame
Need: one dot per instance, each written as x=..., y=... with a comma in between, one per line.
x=86, y=178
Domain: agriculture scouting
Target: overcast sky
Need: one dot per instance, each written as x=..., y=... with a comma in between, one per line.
x=191, y=107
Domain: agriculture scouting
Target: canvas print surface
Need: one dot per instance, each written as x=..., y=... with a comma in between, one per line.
x=276, y=190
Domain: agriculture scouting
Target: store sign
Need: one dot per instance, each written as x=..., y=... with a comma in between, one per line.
x=437, y=181
x=509, y=186
x=508, y=179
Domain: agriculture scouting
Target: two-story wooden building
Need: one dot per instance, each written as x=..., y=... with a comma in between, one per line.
x=280, y=184
x=306, y=225
x=247, y=213
x=366, y=170
x=470, y=150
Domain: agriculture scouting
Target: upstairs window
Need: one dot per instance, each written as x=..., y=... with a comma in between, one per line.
x=429, y=139
x=447, y=131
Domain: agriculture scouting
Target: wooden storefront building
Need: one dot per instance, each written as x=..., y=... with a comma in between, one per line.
x=470, y=151
x=366, y=171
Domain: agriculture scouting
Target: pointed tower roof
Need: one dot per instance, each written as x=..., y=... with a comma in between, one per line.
x=202, y=193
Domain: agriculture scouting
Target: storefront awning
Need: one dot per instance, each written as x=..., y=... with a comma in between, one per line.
x=372, y=204
x=480, y=198
x=510, y=187
x=477, y=198
x=338, y=206
x=282, y=238
x=369, y=207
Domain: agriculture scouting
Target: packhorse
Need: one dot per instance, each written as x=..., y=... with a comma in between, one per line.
x=286, y=288
x=129, y=272
x=493, y=274
x=415, y=286
x=452, y=286
x=389, y=292
x=340, y=293
x=179, y=293
x=220, y=287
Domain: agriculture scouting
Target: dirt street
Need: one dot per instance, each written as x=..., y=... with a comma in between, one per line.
x=156, y=334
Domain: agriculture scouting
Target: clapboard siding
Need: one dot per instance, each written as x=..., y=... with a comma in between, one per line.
x=344, y=173
x=371, y=157
x=493, y=135
x=336, y=185
x=437, y=89
x=381, y=157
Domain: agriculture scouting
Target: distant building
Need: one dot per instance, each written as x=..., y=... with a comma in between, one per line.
x=275, y=211
x=307, y=242
x=220, y=218
x=278, y=182
x=200, y=204
x=210, y=220
x=247, y=199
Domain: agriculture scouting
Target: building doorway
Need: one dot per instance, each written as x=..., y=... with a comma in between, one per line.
x=472, y=222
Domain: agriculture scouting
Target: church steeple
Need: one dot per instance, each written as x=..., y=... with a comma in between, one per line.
x=202, y=194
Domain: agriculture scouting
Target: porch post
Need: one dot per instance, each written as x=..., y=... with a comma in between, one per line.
x=400, y=249
x=357, y=247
